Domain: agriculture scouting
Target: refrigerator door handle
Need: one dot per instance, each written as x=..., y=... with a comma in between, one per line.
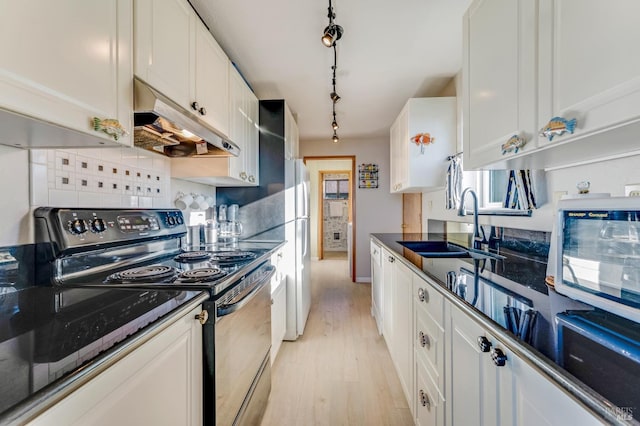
x=306, y=237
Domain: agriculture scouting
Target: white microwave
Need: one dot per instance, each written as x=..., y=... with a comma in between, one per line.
x=598, y=253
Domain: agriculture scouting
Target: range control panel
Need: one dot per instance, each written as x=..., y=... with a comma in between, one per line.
x=77, y=228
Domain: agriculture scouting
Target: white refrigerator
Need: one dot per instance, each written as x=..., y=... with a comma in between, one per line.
x=297, y=252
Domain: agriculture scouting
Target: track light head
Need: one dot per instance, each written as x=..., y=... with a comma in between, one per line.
x=334, y=125
x=334, y=97
x=332, y=33
x=335, y=138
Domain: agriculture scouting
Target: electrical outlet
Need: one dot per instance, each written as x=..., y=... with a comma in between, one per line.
x=632, y=190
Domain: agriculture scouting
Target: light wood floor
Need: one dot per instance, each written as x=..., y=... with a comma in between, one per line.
x=339, y=372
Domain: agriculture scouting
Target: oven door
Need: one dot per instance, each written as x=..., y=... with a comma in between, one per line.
x=242, y=341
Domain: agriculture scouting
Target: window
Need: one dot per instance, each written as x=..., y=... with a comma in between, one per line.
x=492, y=188
x=336, y=189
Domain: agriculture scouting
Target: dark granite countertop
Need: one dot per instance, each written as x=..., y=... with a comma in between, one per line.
x=514, y=278
x=50, y=336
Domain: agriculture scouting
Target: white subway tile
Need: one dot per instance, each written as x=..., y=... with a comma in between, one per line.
x=39, y=185
x=38, y=156
x=60, y=198
x=145, y=202
x=111, y=200
x=129, y=201
x=89, y=199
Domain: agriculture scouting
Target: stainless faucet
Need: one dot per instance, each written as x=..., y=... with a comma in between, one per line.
x=477, y=240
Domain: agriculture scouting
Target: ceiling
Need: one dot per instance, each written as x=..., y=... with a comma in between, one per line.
x=390, y=52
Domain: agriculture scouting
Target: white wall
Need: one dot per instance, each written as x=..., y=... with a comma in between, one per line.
x=376, y=210
x=35, y=178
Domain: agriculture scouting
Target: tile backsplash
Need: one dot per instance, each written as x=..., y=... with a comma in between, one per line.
x=108, y=177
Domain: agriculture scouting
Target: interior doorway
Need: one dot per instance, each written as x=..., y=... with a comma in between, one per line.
x=334, y=209
x=335, y=169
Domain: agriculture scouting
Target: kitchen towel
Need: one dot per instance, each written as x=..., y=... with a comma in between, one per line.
x=454, y=182
x=335, y=209
x=520, y=191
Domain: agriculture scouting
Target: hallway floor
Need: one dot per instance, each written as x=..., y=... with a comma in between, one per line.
x=339, y=372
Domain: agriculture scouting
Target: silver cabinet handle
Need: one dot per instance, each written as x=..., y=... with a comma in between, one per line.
x=391, y=259
x=243, y=175
x=202, y=111
x=499, y=358
x=252, y=178
x=425, y=341
x=424, y=400
x=202, y=317
x=195, y=106
x=423, y=295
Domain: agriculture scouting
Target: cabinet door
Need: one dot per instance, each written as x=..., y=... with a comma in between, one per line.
x=377, y=292
x=588, y=66
x=253, y=138
x=278, y=317
x=158, y=383
x=536, y=401
x=388, y=326
x=399, y=146
x=66, y=62
x=473, y=385
x=291, y=135
x=237, y=124
x=402, y=352
x=164, y=40
x=211, y=80
x=499, y=80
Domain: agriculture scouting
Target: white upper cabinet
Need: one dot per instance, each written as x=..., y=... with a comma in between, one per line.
x=177, y=55
x=291, y=135
x=242, y=170
x=589, y=66
x=65, y=62
x=212, y=80
x=421, y=139
x=499, y=84
x=531, y=66
x=243, y=130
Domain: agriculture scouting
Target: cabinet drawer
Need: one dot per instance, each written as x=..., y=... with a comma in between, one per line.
x=429, y=345
x=376, y=253
x=428, y=298
x=429, y=404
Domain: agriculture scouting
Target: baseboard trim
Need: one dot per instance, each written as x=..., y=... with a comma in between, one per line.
x=315, y=258
x=363, y=280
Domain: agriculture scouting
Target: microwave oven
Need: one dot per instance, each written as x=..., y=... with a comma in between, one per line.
x=597, y=254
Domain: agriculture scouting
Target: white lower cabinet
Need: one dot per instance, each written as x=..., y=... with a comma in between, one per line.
x=430, y=408
x=402, y=352
x=278, y=317
x=377, y=295
x=452, y=370
x=489, y=388
x=159, y=383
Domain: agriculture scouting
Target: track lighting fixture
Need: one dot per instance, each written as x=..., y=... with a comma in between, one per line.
x=332, y=33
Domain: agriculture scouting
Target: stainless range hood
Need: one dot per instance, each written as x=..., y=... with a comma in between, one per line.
x=163, y=126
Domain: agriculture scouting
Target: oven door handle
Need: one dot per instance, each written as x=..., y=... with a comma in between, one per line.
x=224, y=310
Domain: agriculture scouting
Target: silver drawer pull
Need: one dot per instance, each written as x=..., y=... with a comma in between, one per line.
x=425, y=341
x=424, y=400
x=423, y=295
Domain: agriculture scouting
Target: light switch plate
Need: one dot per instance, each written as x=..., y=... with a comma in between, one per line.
x=632, y=190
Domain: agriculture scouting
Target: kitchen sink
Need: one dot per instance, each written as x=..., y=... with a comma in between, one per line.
x=446, y=249
x=435, y=248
